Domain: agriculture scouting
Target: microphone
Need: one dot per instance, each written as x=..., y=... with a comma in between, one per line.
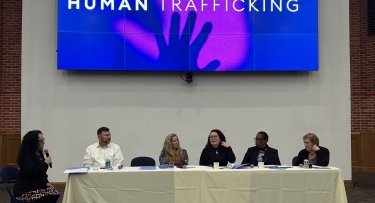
x=47, y=155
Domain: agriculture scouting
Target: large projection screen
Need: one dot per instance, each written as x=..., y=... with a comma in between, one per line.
x=189, y=35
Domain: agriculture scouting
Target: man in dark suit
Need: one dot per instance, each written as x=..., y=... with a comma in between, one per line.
x=269, y=155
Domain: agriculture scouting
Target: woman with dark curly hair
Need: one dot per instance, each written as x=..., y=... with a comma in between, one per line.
x=217, y=150
x=32, y=184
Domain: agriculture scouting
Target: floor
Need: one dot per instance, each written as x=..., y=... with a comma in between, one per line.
x=363, y=190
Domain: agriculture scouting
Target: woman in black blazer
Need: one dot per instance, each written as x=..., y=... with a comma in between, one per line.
x=217, y=150
x=32, y=184
x=317, y=155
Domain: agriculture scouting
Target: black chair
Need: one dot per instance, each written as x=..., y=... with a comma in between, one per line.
x=142, y=161
x=9, y=174
x=294, y=161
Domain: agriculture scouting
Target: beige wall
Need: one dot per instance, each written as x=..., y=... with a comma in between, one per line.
x=142, y=108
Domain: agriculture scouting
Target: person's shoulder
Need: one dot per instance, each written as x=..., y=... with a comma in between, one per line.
x=303, y=151
x=323, y=148
x=224, y=148
x=253, y=148
x=93, y=145
x=115, y=145
x=273, y=149
x=29, y=155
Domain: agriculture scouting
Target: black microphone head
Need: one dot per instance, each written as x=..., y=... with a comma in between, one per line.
x=46, y=152
x=47, y=155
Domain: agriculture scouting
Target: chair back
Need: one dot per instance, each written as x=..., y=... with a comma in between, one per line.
x=9, y=174
x=142, y=161
x=294, y=161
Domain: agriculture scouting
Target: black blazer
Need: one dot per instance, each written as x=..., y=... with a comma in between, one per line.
x=33, y=174
x=221, y=154
x=271, y=156
x=322, y=156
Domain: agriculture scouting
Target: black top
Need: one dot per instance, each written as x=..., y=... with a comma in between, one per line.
x=221, y=154
x=271, y=156
x=33, y=174
x=322, y=156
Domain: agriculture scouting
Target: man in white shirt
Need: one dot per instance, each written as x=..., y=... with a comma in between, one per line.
x=101, y=151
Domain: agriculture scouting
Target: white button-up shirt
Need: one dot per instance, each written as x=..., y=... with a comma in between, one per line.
x=97, y=153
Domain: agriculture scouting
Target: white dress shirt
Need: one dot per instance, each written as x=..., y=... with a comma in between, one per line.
x=97, y=153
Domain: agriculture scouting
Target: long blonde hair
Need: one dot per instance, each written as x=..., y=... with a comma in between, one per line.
x=173, y=155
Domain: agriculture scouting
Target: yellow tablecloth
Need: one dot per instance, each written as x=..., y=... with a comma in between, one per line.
x=202, y=184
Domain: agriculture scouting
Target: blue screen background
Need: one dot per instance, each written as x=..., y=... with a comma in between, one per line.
x=132, y=40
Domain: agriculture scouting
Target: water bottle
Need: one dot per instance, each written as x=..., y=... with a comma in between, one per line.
x=306, y=163
x=108, y=164
x=260, y=161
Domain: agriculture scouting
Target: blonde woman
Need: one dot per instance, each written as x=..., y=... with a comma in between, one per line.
x=172, y=153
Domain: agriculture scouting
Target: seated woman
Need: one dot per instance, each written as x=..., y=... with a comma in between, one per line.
x=32, y=184
x=317, y=155
x=217, y=150
x=172, y=153
x=270, y=156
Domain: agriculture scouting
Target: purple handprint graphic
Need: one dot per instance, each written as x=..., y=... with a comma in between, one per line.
x=179, y=48
x=207, y=40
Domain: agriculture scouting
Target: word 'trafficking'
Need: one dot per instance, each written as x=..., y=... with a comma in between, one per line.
x=189, y=5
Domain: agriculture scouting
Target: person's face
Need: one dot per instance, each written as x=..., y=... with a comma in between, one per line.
x=260, y=141
x=105, y=137
x=214, y=139
x=308, y=144
x=175, y=142
x=41, y=141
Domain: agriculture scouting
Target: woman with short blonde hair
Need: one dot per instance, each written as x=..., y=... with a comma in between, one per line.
x=314, y=139
x=317, y=155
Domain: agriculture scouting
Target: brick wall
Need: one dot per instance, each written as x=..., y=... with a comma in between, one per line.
x=355, y=63
x=362, y=63
x=1, y=51
x=10, y=67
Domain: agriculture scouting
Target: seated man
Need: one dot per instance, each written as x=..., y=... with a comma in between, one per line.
x=103, y=150
x=269, y=155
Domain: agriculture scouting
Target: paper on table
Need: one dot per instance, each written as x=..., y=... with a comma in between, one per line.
x=320, y=167
x=77, y=170
x=240, y=166
x=147, y=168
x=278, y=166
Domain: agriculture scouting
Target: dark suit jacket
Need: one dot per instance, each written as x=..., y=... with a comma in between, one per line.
x=322, y=156
x=221, y=154
x=271, y=156
x=33, y=174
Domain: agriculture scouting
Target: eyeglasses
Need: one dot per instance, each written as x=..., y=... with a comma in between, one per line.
x=41, y=140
